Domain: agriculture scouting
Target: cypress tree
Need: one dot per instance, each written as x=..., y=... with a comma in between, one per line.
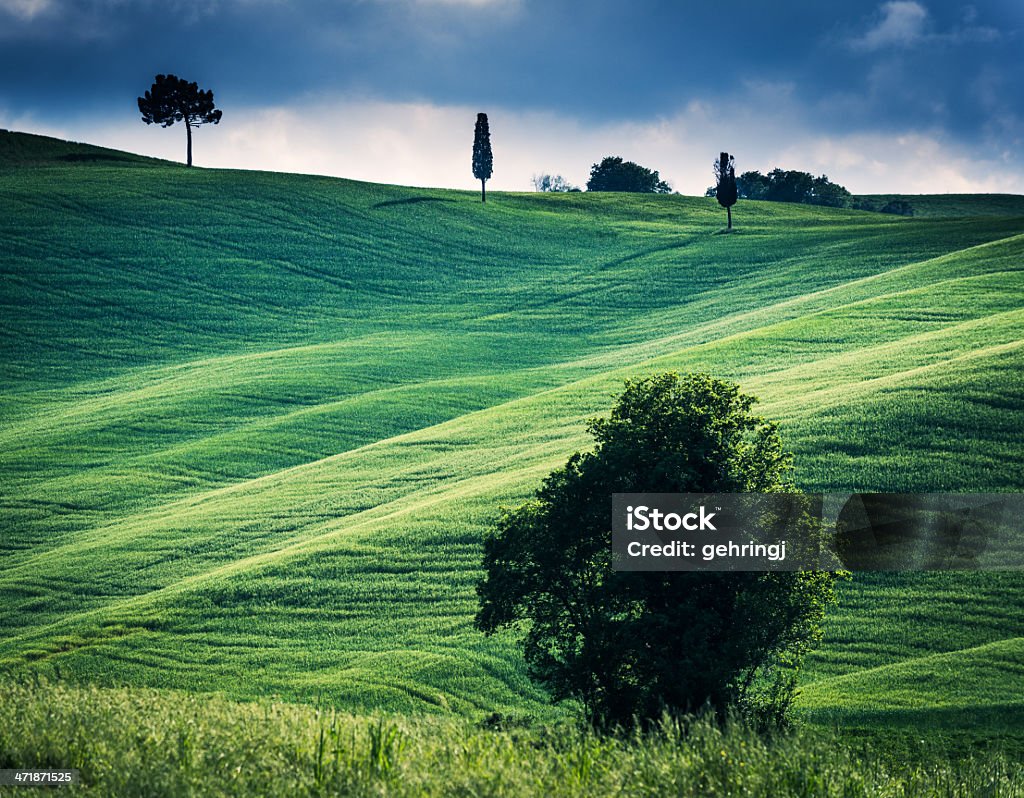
x=725, y=188
x=482, y=159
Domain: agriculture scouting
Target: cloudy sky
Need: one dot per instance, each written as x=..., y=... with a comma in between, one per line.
x=901, y=95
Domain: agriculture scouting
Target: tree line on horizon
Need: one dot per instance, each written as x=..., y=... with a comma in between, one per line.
x=172, y=99
x=791, y=185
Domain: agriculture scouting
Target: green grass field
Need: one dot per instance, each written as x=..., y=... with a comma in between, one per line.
x=140, y=742
x=253, y=425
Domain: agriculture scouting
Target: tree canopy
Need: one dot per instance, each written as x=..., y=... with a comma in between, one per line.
x=781, y=185
x=172, y=99
x=630, y=646
x=615, y=174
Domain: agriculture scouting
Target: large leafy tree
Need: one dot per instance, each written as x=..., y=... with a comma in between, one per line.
x=615, y=174
x=630, y=646
x=483, y=160
x=753, y=185
x=832, y=195
x=172, y=99
x=781, y=185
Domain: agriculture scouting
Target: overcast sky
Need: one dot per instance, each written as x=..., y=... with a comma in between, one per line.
x=897, y=96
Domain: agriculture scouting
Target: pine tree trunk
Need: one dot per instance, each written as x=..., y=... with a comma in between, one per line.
x=729, y=211
x=483, y=191
x=188, y=131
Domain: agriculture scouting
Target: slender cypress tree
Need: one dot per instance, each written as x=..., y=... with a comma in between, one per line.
x=725, y=179
x=482, y=160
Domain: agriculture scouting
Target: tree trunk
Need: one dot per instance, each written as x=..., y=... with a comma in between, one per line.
x=483, y=191
x=729, y=211
x=188, y=131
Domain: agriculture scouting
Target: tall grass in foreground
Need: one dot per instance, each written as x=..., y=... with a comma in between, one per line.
x=150, y=743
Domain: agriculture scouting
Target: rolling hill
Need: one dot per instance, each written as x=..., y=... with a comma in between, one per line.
x=254, y=425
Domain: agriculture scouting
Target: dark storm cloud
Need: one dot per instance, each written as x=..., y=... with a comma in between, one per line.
x=856, y=66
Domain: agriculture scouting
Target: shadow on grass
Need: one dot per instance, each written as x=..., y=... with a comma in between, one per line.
x=959, y=731
x=410, y=201
x=95, y=156
x=991, y=717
